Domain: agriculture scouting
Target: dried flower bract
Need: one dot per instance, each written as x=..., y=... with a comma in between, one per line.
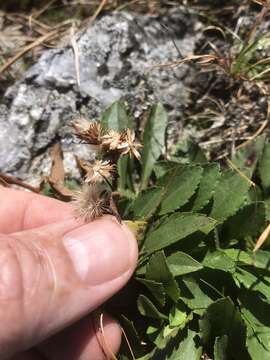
x=98, y=171
x=123, y=142
x=89, y=132
x=91, y=202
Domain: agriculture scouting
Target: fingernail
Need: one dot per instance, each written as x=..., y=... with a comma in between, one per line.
x=101, y=251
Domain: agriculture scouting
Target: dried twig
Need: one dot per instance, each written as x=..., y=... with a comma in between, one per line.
x=8, y=179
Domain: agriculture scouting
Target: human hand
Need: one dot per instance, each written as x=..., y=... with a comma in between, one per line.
x=54, y=271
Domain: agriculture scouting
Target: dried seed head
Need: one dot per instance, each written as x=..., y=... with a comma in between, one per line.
x=89, y=132
x=123, y=143
x=129, y=144
x=98, y=171
x=111, y=141
x=91, y=202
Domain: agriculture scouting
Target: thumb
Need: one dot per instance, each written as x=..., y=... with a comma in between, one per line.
x=53, y=275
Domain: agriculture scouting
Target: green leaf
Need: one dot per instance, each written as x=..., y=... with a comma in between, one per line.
x=132, y=335
x=177, y=315
x=181, y=263
x=164, y=166
x=248, y=221
x=259, y=259
x=223, y=318
x=267, y=209
x=229, y=196
x=251, y=282
x=183, y=347
x=256, y=314
x=177, y=227
x=210, y=177
x=153, y=140
x=147, y=308
x=156, y=288
x=219, y=260
x=146, y=203
x=220, y=348
x=264, y=166
x=124, y=169
x=247, y=157
x=116, y=117
x=157, y=269
x=196, y=295
x=179, y=185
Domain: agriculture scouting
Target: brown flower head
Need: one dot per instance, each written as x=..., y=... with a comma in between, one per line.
x=123, y=142
x=111, y=141
x=129, y=145
x=91, y=202
x=89, y=132
x=98, y=171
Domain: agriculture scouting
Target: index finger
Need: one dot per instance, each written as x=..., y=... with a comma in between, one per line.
x=21, y=210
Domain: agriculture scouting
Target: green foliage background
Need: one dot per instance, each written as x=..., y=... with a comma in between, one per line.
x=199, y=288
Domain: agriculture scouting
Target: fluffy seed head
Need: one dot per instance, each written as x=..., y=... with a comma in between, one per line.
x=91, y=202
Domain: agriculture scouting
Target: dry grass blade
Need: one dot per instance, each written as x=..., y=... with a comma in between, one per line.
x=27, y=48
x=234, y=167
x=76, y=54
x=97, y=12
x=108, y=348
x=128, y=344
x=262, y=238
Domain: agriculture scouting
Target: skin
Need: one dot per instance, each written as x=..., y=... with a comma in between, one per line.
x=55, y=272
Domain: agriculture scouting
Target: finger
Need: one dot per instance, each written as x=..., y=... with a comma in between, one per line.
x=84, y=340
x=54, y=275
x=28, y=355
x=21, y=210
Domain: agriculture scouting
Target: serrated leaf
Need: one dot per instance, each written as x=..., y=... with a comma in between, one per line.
x=147, y=202
x=248, y=221
x=175, y=228
x=116, y=117
x=264, y=166
x=156, y=288
x=209, y=180
x=179, y=185
x=153, y=140
x=147, y=308
x=163, y=167
x=221, y=348
x=223, y=318
x=181, y=264
x=229, y=196
x=157, y=269
x=219, y=260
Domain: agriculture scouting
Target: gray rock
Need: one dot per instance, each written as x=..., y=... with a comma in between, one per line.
x=118, y=58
